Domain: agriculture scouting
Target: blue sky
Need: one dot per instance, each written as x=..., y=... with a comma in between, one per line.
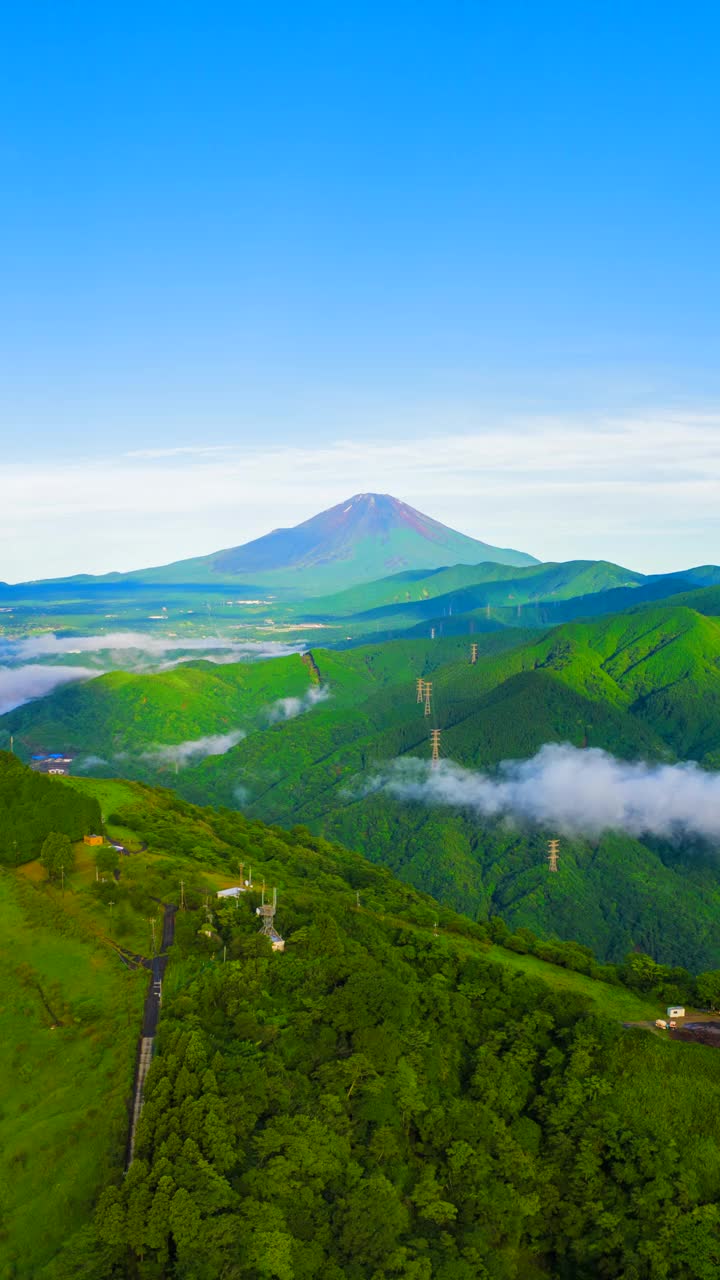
x=358, y=230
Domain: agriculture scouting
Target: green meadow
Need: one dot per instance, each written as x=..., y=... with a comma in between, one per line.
x=70, y=1018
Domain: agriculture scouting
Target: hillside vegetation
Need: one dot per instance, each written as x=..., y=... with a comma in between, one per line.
x=394, y=1097
x=640, y=684
x=402, y=1093
x=32, y=805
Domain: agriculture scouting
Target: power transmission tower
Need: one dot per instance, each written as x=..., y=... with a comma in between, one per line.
x=435, y=744
x=182, y=895
x=473, y=653
x=552, y=857
x=427, y=695
x=420, y=686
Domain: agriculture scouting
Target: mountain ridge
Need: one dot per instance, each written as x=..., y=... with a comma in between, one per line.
x=363, y=538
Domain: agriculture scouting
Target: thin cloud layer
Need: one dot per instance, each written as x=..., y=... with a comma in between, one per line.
x=22, y=684
x=583, y=792
x=193, y=750
x=122, y=642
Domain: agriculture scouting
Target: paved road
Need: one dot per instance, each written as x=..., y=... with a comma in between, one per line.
x=151, y=1015
x=157, y=968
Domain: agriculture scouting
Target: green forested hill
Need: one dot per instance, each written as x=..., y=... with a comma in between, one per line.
x=645, y=684
x=126, y=712
x=495, y=583
x=390, y=1098
x=642, y=684
x=461, y=600
x=401, y=1094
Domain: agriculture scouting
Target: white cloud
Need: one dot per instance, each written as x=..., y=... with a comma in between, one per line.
x=569, y=790
x=20, y=684
x=119, y=643
x=288, y=708
x=641, y=489
x=194, y=749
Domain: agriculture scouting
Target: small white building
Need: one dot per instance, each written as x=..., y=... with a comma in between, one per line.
x=231, y=893
x=675, y=1011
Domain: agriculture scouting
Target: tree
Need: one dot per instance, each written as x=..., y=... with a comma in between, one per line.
x=108, y=859
x=708, y=988
x=57, y=855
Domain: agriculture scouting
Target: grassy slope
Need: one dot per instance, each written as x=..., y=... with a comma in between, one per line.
x=64, y=1116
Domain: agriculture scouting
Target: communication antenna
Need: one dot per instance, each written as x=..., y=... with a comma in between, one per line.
x=427, y=695
x=420, y=687
x=435, y=745
x=552, y=857
x=432, y=633
x=473, y=653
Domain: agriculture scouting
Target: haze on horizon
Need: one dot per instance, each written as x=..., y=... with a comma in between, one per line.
x=258, y=260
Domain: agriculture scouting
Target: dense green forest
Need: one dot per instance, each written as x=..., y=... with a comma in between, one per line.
x=386, y=1099
x=402, y=1093
x=32, y=805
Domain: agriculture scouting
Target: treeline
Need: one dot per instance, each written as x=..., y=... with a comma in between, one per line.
x=670, y=984
x=32, y=805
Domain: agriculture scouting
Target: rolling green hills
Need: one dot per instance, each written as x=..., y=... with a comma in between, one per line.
x=480, y=584
x=122, y=714
x=643, y=684
x=463, y=599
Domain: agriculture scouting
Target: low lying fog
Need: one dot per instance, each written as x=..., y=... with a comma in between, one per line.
x=569, y=790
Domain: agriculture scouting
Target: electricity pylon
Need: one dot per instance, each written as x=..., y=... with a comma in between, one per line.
x=473, y=653
x=435, y=745
x=420, y=686
x=428, y=694
x=552, y=857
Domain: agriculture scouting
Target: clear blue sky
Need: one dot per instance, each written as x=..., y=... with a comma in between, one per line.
x=298, y=224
